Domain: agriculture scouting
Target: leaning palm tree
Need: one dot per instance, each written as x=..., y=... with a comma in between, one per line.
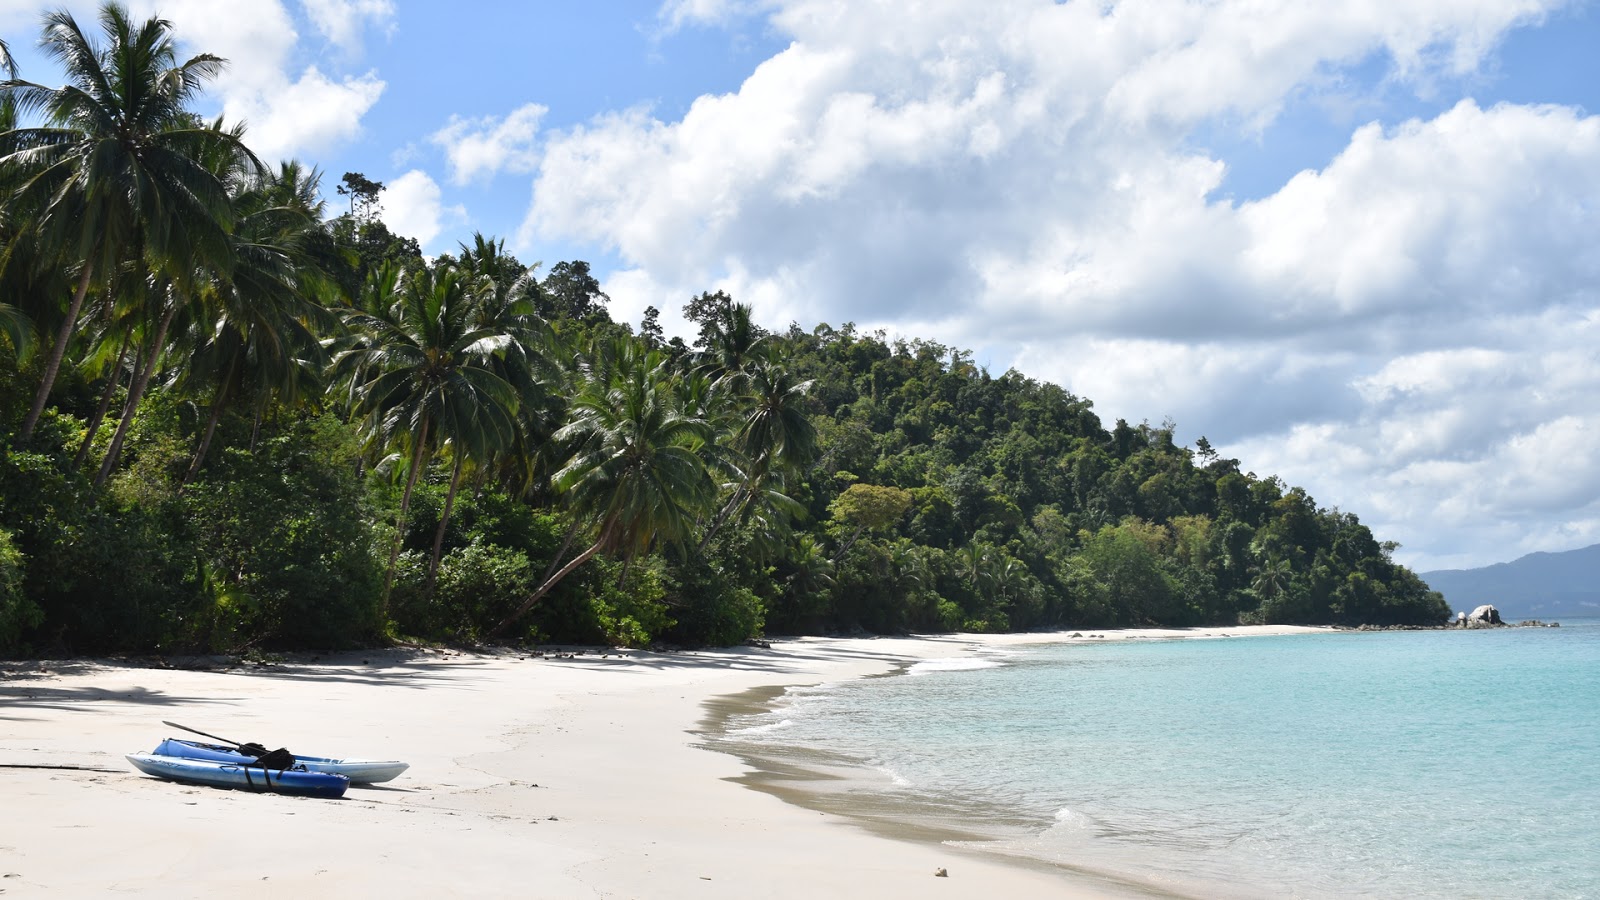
x=115, y=166
x=421, y=370
x=635, y=477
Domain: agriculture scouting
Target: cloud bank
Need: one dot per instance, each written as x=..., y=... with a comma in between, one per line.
x=1405, y=330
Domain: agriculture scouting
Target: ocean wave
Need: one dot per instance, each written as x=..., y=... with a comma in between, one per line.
x=960, y=664
x=895, y=778
x=753, y=730
x=1067, y=816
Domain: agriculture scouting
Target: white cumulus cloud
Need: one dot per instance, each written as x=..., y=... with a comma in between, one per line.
x=484, y=147
x=344, y=21
x=413, y=206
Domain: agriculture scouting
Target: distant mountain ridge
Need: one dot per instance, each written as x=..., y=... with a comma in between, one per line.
x=1539, y=585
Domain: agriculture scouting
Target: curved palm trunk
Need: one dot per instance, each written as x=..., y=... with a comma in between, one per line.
x=444, y=521
x=255, y=432
x=721, y=519
x=112, y=380
x=135, y=394
x=405, y=506
x=848, y=544
x=555, y=561
x=52, y=367
x=739, y=504
x=217, y=403
x=549, y=583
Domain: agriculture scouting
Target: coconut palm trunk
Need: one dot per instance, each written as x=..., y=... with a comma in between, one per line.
x=543, y=589
x=555, y=561
x=444, y=522
x=112, y=380
x=218, y=400
x=734, y=503
x=52, y=366
x=135, y=394
x=405, y=507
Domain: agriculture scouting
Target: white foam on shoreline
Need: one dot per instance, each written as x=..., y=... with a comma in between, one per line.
x=929, y=666
x=894, y=777
x=760, y=729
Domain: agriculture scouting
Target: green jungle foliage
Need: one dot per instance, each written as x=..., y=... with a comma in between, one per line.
x=230, y=420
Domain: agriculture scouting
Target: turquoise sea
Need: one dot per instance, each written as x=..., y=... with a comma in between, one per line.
x=1429, y=764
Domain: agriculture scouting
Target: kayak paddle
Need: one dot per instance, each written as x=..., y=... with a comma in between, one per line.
x=199, y=732
x=251, y=749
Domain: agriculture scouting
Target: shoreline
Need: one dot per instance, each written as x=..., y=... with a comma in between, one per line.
x=533, y=777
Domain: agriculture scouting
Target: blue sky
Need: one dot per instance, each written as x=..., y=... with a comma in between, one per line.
x=1352, y=244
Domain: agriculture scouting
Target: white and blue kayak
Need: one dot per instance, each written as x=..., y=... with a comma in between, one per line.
x=295, y=782
x=359, y=771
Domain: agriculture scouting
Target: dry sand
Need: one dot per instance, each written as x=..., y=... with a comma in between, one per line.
x=529, y=777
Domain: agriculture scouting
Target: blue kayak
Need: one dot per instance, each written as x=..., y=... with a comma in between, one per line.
x=359, y=771
x=295, y=782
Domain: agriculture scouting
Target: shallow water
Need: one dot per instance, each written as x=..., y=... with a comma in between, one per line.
x=1418, y=764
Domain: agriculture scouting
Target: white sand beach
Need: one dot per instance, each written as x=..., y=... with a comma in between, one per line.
x=556, y=777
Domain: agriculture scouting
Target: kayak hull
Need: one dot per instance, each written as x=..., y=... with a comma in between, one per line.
x=239, y=777
x=359, y=771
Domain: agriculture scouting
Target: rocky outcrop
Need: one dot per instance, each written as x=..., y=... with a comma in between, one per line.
x=1485, y=615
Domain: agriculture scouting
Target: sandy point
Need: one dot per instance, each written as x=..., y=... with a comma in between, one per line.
x=557, y=776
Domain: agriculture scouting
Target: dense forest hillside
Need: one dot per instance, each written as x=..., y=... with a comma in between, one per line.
x=1539, y=584
x=230, y=420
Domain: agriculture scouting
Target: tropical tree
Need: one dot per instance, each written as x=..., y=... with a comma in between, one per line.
x=111, y=341
x=115, y=168
x=421, y=369
x=16, y=328
x=635, y=475
x=14, y=324
x=256, y=328
x=730, y=339
x=774, y=436
x=1272, y=579
x=504, y=304
x=863, y=507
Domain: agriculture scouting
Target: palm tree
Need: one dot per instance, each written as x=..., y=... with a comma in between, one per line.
x=255, y=331
x=16, y=328
x=421, y=369
x=110, y=341
x=14, y=324
x=811, y=574
x=975, y=564
x=733, y=341
x=635, y=476
x=774, y=435
x=116, y=166
x=1272, y=578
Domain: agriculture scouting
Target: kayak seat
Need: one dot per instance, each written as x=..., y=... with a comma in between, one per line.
x=279, y=759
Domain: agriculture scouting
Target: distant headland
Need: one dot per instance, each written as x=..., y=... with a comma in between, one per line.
x=1539, y=584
